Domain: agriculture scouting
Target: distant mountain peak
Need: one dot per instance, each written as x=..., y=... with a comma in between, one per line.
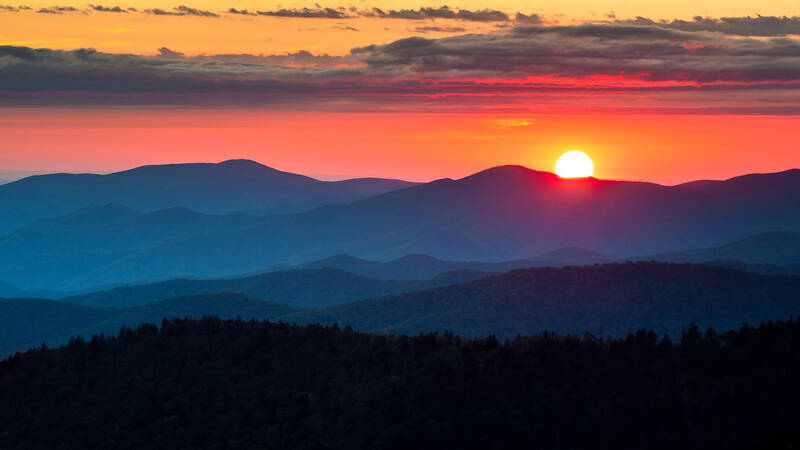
x=574, y=255
x=417, y=258
x=240, y=162
x=176, y=211
x=511, y=169
x=249, y=164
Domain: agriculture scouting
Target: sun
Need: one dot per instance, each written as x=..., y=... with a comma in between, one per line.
x=574, y=164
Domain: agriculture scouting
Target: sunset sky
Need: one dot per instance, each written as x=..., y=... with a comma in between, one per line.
x=660, y=91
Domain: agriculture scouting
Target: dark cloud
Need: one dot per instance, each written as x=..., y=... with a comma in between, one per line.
x=316, y=13
x=529, y=19
x=444, y=12
x=552, y=62
x=57, y=10
x=242, y=12
x=740, y=26
x=164, y=52
x=9, y=8
x=114, y=9
x=320, y=12
x=195, y=12
x=181, y=11
x=437, y=29
x=650, y=53
x=162, y=12
x=302, y=58
x=31, y=70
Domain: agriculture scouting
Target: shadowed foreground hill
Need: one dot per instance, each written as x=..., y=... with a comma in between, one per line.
x=211, y=384
x=26, y=322
x=611, y=298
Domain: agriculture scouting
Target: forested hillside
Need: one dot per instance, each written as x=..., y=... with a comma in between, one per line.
x=605, y=299
x=213, y=384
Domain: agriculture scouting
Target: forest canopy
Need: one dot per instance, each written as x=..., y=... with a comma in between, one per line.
x=210, y=384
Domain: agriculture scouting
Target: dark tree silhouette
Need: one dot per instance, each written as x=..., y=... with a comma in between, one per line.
x=211, y=384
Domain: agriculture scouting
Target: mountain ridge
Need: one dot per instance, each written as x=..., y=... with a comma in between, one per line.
x=500, y=214
x=609, y=299
x=215, y=188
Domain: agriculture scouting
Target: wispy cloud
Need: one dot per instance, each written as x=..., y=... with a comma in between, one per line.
x=57, y=10
x=741, y=26
x=308, y=13
x=181, y=10
x=444, y=12
x=9, y=8
x=112, y=9
x=320, y=12
x=439, y=29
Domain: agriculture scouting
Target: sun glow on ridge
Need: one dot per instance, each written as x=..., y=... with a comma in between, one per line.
x=574, y=164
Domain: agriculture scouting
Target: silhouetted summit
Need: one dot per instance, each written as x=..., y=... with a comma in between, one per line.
x=226, y=187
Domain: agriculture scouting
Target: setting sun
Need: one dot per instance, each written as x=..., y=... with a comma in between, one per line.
x=574, y=164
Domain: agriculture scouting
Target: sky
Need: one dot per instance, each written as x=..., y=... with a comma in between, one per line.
x=660, y=91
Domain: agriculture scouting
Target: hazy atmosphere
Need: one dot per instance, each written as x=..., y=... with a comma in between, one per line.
x=400, y=225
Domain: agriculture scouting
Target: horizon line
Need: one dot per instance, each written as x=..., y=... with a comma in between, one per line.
x=331, y=178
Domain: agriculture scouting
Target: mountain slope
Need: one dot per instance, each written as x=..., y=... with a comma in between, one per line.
x=607, y=299
x=501, y=214
x=65, y=252
x=771, y=248
x=420, y=267
x=26, y=323
x=312, y=288
x=9, y=291
x=224, y=305
x=510, y=213
x=226, y=187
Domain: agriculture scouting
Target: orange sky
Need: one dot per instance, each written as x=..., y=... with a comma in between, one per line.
x=141, y=33
x=694, y=104
x=663, y=148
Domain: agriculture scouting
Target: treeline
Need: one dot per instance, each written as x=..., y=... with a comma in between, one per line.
x=213, y=384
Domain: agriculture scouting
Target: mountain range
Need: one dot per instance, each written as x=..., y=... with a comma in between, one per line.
x=422, y=267
x=502, y=214
x=608, y=299
x=234, y=186
x=311, y=288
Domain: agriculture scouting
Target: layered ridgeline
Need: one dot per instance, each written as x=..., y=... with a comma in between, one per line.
x=31, y=322
x=513, y=212
x=771, y=253
x=27, y=322
x=501, y=214
x=771, y=250
x=228, y=187
x=311, y=288
x=610, y=299
x=420, y=267
x=211, y=384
